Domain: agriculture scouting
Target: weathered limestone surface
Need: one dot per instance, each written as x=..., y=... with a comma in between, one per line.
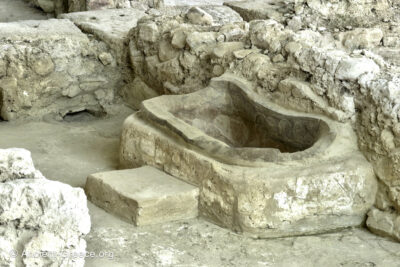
x=384, y=223
x=109, y=26
x=262, y=9
x=328, y=186
x=143, y=196
x=39, y=216
x=316, y=13
x=172, y=54
x=52, y=67
x=112, y=27
x=16, y=163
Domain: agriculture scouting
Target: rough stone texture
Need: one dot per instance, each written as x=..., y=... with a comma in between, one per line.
x=316, y=13
x=112, y=27
x=172, y=55
x=143, y=196
x=39, y=216
x=261, y=9
x=52, y=67
x=252, y=187
x=109, y=26
x=384, y=223
x=16, y=163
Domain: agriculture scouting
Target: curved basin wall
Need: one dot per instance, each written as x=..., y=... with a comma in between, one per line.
x=327, y=186
x=228, y=123
x=240, y=122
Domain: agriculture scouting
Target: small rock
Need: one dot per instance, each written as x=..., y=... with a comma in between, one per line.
x=198, y=16
x=46, y=5
x=293, y=47
x=100, y=94
x=221, y=38
x=227, y=48
x=384, y=223
x=42, y=64
x=362, y=38
x=387, y=139
x=106, y=58
x=179, y=39
x=195, y=39
x=352, y=68
x=396, y=129
x=240, y=54
x=299, y=9
x=295, y=24
x=218, y=70
x=278, y=58
x=166, y=51
x=71, y=91
x=149, y=32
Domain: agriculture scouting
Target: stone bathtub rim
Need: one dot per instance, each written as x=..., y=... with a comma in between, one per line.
x=157, y=110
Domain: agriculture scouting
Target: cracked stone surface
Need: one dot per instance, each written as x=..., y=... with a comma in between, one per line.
x=38, y=215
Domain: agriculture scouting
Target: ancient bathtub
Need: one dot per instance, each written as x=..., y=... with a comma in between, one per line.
x=261, y=169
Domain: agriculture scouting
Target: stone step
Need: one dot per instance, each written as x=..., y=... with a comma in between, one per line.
x=143, y=195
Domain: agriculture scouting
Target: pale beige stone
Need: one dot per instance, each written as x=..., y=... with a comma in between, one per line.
x=143, y=196
x=384, y=223
x=246, y=183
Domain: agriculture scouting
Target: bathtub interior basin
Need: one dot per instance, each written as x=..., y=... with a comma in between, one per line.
x=228, y=122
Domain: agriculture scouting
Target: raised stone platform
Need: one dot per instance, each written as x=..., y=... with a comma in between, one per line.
x=143, y=196
x=261, y=169
x=110, y=26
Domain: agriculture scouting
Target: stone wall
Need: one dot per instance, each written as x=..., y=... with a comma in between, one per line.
x=67, y=6
x=52, y=67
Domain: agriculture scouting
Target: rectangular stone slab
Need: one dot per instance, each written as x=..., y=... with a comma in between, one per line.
x=143, y=196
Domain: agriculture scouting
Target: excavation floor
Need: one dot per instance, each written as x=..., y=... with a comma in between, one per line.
x=15, y=10
x=69, y=151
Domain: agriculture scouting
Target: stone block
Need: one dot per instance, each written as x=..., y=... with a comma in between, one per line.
x=143, y=196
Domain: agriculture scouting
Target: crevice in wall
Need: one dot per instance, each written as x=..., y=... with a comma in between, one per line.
x=82, y=115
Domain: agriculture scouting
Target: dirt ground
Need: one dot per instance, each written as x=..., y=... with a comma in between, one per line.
x=69, y=151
